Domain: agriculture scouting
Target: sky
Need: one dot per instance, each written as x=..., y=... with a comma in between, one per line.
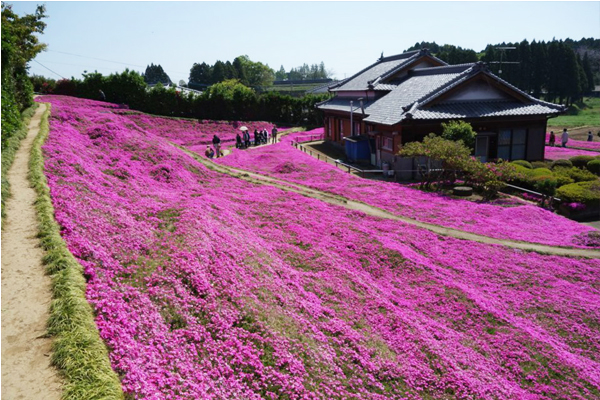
x=346, y=35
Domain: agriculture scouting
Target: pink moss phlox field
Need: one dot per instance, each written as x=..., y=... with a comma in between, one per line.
x=527, y=222
x=595, y=145
x=563, y=153
x=209, y=287
x=194, y=134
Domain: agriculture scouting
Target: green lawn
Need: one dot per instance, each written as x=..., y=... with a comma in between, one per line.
x=586, y=114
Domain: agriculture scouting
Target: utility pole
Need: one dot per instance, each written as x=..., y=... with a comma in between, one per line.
x=502, y=49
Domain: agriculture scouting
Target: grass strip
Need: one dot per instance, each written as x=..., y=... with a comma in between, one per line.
x=78, y=351
x=9, y=152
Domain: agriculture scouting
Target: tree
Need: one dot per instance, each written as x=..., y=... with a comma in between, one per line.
x=459, y=131
x=19, y=46
x=201, y=74
x=218, y=72
x=155, y=74
x=281, y=74
x=257, y=73
x=456, y=162
x=587, y=69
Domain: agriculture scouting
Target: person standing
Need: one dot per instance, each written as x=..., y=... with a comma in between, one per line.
x=246, y=139
x=217, y=145
x=102, y=95
x=267, y=135
x=552, y=139
x=565, y=137
x=274, y=134
x=590, y=136
x=238, y=141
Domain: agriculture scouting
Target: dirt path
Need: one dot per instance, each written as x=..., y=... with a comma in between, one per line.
x=26, y=369
x=378, y=212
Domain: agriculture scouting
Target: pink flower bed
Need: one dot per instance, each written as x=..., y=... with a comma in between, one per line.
x=561, y=153
x=527, y=222
x=209, y=287
x=577, y=143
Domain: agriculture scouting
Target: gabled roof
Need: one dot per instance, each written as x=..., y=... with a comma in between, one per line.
x=421, y=95
x=380, y=70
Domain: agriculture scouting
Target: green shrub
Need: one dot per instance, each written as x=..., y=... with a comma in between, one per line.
x=545, y=184
x=540, y=164
x=540, y=172
x=587, y=193
x=594, y=166
x=581, y=161
x=575, y=174
x=523, y=163
x=561, y=163
x=563, y=177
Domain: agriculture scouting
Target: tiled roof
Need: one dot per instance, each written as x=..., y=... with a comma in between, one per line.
x=361, y=80
x=343, y=104
x=385, y=86
x=408, y=98
x=482, y=109
x=389, y=110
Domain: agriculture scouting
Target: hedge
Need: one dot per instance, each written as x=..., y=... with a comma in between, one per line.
x=581, y=161
x=561, y=163
x=523, y=163
x=594, y=166
x=587, y=193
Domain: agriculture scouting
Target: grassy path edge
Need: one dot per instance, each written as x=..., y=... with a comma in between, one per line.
x=8, y=154
x=78, y=351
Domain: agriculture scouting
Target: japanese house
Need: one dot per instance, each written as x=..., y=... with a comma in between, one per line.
x=403, y=98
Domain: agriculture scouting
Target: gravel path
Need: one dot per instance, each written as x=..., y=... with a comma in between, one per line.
x=26, y=295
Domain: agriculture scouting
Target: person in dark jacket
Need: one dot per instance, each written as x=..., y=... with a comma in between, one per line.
x=246, y=139
x=217, y=145
x=238, y=141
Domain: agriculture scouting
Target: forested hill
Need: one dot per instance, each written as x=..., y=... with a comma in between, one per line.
x=561, y=70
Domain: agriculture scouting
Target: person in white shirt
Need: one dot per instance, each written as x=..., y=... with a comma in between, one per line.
x=565, y=137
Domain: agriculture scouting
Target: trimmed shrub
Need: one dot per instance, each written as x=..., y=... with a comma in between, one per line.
x=581, y=161
x=561, y=163
x=594, y=166
x=539, y=164
x=575, y=174
x=540, y=172
x=545, y=184
x=523, y=163
x=587, y=193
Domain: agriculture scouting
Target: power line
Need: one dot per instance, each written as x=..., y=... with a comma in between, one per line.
x=99, y=59
x=116, y=62
x=56, y=73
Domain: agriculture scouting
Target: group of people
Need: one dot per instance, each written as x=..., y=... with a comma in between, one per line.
x=565, y=138
x=260, y=137
x=209, y=152
x=242, y=142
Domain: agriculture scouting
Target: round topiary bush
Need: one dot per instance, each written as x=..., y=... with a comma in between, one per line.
x=561, y=163
x=540, y=172
x=540, y=164
x=587, y=193
x=581, y=161
x=594, y=166
x=523, y=163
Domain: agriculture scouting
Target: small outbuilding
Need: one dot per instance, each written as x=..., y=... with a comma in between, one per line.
x=402, y=98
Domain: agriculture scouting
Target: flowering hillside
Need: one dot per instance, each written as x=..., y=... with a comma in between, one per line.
x=563, y=153
x=206, y=286
x=527, y=223
x=584, y=144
